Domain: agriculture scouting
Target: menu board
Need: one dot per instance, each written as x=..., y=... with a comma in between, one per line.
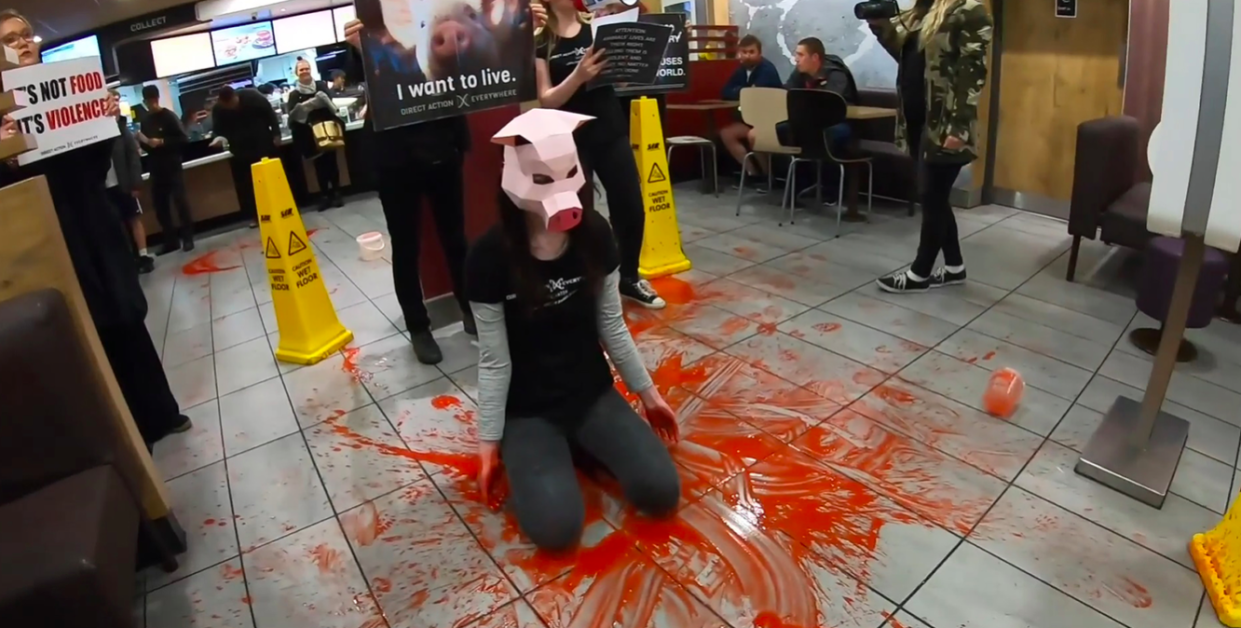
x=304, y=31
x=343, y=15
x=178, y=55
x=243, y=43
x=76, y=49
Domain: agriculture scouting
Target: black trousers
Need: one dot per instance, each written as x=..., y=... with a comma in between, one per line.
x=167, y=190
x=401, y=193
x=613, y=162
x=939, y=223
x=327, y=173
x=243, y=180
x=140, y=375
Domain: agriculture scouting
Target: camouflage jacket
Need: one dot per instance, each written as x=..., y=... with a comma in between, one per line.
x=956, y=71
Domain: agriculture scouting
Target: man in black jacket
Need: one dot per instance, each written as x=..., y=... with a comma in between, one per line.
x=164, y=137
x=413, y=163
x=251, y=127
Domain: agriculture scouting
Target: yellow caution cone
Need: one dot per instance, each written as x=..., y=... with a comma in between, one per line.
x=661, y=245
x=309, y=329
x=1217, y=556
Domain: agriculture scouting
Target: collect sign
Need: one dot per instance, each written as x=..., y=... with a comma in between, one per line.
x=67, y=106
x=673, y=73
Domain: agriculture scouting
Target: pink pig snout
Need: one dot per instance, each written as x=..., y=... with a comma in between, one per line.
x=564, y=219
x=449, y=39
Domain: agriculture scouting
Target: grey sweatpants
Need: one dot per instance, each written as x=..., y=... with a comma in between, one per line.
x=545, y=495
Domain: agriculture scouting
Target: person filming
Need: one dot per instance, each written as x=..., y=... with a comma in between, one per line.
x=941, y=47
x=310, y=103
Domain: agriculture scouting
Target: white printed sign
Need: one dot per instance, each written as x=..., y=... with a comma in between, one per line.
x=67, y=105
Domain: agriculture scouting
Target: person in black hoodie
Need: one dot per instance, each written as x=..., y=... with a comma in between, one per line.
x=249, y=124
x=414, y=162
x=102, y=259
x=307, y=109
x=164, y=137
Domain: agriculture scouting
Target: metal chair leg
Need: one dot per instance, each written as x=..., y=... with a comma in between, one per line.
x=870, y=187
x=840, y=199
x=790, y=190
x=745, y=161
x=715, y=170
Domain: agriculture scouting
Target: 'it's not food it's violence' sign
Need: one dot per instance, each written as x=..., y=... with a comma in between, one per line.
x=66, y=106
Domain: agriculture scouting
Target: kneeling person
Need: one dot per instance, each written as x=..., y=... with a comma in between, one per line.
x=543, y=287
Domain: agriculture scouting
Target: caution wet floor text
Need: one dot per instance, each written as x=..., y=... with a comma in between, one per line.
x=309, y=328
x=661, y=244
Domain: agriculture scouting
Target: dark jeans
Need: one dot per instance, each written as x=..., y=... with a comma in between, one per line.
x=837, y=134
x=327, y=173
x=939, y=224
x=539, y=458
x=141, y=378
x=243, y=180
x=401, y=193
x=168, y=189
x=618, y=173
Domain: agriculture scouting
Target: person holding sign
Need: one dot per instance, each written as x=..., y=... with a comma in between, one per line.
x=544, y=286
x=565, y=61
x=102, y=257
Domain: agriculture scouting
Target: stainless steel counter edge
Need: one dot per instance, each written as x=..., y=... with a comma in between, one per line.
x=223, y=155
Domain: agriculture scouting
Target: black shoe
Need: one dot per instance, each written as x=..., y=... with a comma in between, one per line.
x=640, y=290
x=254, y=224
x=471, y=328
x=325, y=204
x=425, y=348
x=900, y=282
x=337, y=201
x=941, y=277
x=171, y=247
x=183, y=424
x=146, y=264
x=187, y=245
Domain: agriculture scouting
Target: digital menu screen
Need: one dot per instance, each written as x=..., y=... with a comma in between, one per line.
x=304, y=31
x=343, y=15
x=178, y=55
x=243, y=43
x=76, y=49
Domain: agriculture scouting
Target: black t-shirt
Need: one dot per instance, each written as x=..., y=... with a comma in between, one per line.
x=601, y=102
x=163, y=125
x=558, y=363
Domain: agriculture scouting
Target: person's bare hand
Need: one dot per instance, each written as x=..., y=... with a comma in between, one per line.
x=113, y=107
x=591, y=64
x=136, y=192
x=954, y=143
x=155, y=142
x=538, y=13
x=353, y=33
x=8, y=127
x=491, y=475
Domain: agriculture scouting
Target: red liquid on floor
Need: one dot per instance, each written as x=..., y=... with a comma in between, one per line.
x=205, y=264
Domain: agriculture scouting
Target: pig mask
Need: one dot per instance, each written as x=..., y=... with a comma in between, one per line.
x=542, y=172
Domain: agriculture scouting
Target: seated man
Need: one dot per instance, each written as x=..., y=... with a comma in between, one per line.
x=754, y=71
x=818, y=70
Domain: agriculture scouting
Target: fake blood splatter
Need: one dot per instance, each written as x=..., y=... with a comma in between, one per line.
x=350, y=365
x=205, y=264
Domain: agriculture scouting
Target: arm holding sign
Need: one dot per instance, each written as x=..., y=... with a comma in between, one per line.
x=555, y=96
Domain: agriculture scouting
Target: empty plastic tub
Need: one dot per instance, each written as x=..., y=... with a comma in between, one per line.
x=371, y=245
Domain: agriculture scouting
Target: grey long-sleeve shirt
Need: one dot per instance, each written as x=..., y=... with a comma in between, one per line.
x=495, y=366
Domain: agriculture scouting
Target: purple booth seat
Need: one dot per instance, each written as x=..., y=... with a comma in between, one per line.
x=1159, y=268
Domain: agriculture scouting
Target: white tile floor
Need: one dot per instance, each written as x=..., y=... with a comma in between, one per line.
x=324, y=495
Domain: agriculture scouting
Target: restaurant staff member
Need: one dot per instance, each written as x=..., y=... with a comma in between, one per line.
x=309, y=104
x=163, y=136
x=245, y=120
x=336, y=86
x=412, y=163
x=102, y=258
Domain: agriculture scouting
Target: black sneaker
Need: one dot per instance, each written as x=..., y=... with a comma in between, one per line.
x=254, y=224
x=471, y=328
x=900, y=282
x=941, y=277
x=187, y=245
x=146, y=264
x=640, y=290
x=425, y=348
x=183, y=424
x=337, y=201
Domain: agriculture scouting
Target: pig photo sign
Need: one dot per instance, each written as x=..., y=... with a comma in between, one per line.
x=67, y=104
x=431, y=59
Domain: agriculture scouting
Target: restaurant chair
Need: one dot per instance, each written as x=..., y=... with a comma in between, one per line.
x=703, y=145
x=896, y=171
x=811, y=113
x=762, y=108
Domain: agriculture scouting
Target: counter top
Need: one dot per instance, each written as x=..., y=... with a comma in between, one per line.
x=225, y=155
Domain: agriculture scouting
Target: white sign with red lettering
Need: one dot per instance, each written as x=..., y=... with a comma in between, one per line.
x=67, y=107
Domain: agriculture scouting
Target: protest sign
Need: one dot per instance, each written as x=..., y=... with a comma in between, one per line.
x=634, y=51
x=431, y=59
x=673, y=73
x=67, y=105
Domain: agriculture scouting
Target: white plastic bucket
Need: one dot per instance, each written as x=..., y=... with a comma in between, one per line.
x=371, y=245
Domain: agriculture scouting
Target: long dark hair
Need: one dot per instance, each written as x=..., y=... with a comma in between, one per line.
x=586, y=241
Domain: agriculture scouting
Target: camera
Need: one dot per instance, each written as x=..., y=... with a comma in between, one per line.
x=876, y=10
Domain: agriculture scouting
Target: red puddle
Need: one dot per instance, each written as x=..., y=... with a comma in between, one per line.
x=229, y=572
x=443, y=402
x=205, y=264
x=350, y=365
x=674, y=291
x=310, y=233
x=826, y=328
x=767, y=329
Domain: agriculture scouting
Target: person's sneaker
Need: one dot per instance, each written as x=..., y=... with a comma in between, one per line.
x=425, y=348
x=641, y=291
x=146, y=264
x=337, y=201
x=254, y=224
x=183, y=424
x=900, y=282
x=941, y=277
x=325, y=204
x=471, y=328
x=187, y=245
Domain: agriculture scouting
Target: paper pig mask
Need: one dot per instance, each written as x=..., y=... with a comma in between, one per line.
x=542, y=172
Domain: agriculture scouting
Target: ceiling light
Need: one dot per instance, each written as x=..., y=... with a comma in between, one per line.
x=38, y=39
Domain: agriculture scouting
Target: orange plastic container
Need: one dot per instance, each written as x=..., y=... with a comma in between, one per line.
x=1003, y=393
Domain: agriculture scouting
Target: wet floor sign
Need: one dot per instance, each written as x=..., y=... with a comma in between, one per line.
x=661, y=245
x=309, y=329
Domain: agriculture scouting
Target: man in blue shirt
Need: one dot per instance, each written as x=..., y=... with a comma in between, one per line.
x=754, y=71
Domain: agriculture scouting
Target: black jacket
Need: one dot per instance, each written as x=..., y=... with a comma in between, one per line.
x=833, y=76
x=126, y=159
x=94, y=232
x=303, y=136
x=251, y=129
